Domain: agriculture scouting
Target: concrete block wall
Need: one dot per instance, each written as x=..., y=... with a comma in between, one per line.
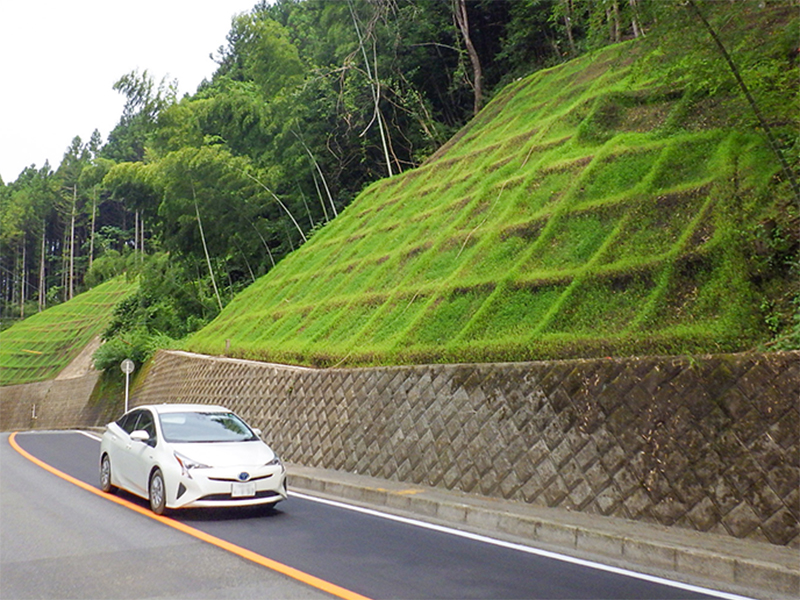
x=54, y=404
x=704, y=443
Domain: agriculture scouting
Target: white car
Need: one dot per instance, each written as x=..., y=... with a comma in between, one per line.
x=189, y=455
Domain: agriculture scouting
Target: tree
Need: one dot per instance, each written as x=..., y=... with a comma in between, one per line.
x=773, y=144
x=372, y=76
x=91, y=179
x=75, y=159
x=462, y=20
x=144, y=101
x=29, y=231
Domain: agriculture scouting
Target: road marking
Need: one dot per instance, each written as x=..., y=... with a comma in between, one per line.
x=89, y=434
x=522, y=548
x=274, y=565
x=341, y=592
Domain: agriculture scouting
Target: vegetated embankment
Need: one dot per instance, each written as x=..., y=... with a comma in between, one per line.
x=587, y=211
x=41, y=346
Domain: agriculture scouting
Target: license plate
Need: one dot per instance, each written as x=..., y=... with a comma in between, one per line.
x=243, y=490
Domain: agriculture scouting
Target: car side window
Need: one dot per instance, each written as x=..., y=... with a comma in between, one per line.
x=146, y=423
x=128, y=422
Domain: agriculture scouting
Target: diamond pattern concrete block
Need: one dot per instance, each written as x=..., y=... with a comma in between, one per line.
x=596, y=476
x=709, y=443
x=741, y=521
x=555, y=493
x=784, y=432
x=581, y=495
x=782, y=528
x=638, y=503
x=608, y=501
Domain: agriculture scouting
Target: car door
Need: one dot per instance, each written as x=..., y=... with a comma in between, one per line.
x=119, y=446
x=140, y=456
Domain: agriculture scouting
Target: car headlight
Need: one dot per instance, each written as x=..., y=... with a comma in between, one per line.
x=275, y=462
x=187, y=464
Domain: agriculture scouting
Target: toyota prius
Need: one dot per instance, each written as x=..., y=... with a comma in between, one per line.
x=189, y=455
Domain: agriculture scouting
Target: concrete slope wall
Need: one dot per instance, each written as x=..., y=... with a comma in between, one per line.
x=54, y=404
x=706, y=443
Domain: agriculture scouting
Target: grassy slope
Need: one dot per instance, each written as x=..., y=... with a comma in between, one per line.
x=579, y=214
x=41, y=346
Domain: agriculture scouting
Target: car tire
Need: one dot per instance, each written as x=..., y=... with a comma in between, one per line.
x=105, y=475
x=157, y=492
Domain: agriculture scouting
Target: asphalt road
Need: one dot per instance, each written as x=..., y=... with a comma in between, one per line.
x=58, y=540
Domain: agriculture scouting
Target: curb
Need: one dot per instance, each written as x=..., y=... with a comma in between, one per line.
x=732, y=565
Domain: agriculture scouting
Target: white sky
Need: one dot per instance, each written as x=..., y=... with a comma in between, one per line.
x=60, y=58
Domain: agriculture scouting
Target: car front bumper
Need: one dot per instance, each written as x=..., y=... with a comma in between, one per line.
x=218, y=487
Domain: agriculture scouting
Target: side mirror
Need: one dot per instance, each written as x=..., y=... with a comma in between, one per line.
x=257, y=431
x=140, y=435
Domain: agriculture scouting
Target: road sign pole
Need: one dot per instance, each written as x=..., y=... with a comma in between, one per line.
x=127, y=385
x=127, y=367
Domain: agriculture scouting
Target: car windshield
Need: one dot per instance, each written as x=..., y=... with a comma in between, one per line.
x=188, y=427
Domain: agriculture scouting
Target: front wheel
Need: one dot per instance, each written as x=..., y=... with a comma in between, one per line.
x=157, y=493
x=105, y=475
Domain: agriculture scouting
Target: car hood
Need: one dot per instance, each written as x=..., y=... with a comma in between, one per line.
x=226, y=454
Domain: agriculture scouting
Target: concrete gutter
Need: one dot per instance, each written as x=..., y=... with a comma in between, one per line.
x=744, y=567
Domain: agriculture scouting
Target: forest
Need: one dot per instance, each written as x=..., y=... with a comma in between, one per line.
x=312, y=101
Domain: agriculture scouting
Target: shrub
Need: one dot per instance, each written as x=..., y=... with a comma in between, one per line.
x=137, y=345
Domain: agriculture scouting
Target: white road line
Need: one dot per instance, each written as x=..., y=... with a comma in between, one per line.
x=522, y=548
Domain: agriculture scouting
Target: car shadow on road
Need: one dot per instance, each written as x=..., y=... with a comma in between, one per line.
x=199, y=515
x=239, y=513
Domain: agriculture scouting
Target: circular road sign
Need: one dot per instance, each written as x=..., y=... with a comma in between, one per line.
x=127, y=366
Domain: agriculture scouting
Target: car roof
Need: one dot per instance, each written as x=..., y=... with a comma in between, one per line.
x=173, y=408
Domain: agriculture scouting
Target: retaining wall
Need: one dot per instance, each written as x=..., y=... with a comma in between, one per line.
x=54, y=404
x=706, y=443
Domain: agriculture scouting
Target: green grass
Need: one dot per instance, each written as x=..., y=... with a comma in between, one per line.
x=583, y=212
x=41, y=346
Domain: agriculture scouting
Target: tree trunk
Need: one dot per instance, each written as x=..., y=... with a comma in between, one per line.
x=91, y=237
x=462, y=20
x=612, y=17
x=322, y=177
x=637, y=29
x=42, y=297
x=135, y=233
x=205, y=249
x=72, y=244
x=24, y=279
x=568, y=26
x=375, y=86
x=280, y=202
x=65, y=265
x=15, y=276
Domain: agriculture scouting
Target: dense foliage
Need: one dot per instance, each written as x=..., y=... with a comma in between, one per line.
x=314, y=100
x=311, y=101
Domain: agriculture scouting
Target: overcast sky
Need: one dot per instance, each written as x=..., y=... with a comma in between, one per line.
x=60, y=58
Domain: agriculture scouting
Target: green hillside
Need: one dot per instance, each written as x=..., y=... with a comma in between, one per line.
x=42, y=345
x=584, y=212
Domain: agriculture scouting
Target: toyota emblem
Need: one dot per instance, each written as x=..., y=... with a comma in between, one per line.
x=244, y=476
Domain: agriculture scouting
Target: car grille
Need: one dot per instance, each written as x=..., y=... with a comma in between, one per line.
x=235, y=480
x=226, y=497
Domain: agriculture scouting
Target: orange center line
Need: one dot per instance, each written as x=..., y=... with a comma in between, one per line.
x=274, y=565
